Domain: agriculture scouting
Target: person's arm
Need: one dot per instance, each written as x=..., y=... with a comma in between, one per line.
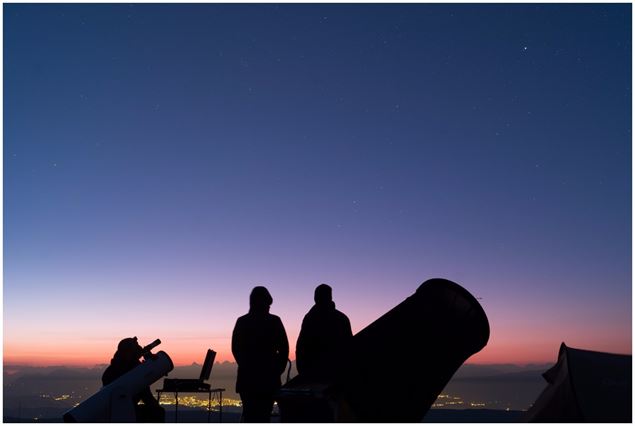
x=237, y=342
x=300, y=349
x=282, y=346
x=348, y=330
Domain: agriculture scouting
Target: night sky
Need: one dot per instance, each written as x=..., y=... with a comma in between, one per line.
x=161, y=160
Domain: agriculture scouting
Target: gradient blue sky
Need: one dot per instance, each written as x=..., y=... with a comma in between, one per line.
x=161, y=160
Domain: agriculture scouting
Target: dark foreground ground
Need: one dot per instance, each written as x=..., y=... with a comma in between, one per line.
x=472, y=416
x=433, y=416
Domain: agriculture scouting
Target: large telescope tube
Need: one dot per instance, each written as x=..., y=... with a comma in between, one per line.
x=113, y=402
x=399, y=364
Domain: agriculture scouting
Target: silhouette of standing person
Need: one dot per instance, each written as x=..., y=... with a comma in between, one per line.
x=261, y=349
x=324, y=334
x=125, y=359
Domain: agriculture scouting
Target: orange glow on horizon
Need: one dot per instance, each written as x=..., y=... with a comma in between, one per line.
x=182, y=356
x=509, y=343
x=100, y=352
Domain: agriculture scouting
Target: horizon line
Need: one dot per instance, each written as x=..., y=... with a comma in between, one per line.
x=88, y=366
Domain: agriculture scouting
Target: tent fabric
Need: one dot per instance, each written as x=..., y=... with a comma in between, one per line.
x=585, y=386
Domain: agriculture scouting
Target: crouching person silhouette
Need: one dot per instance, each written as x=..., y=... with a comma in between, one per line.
x=125, y=359
x=261, y=349
x=323, y=338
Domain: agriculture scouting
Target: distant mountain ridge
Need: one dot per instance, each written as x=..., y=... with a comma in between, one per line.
x=489, y=370
x=227, y=370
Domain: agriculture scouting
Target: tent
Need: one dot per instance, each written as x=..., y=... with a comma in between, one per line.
x=585, y=386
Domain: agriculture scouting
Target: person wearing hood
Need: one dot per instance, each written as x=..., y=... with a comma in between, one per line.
x=325, y=334
x=261, y=350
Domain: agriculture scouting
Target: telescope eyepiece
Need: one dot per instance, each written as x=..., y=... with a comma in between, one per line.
x=151, y=346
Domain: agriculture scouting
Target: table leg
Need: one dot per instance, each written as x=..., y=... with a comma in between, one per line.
x=220, y=408
x=176, y=408
x=209, y=405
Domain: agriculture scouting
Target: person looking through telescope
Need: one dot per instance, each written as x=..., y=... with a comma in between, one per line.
x=125, y=359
